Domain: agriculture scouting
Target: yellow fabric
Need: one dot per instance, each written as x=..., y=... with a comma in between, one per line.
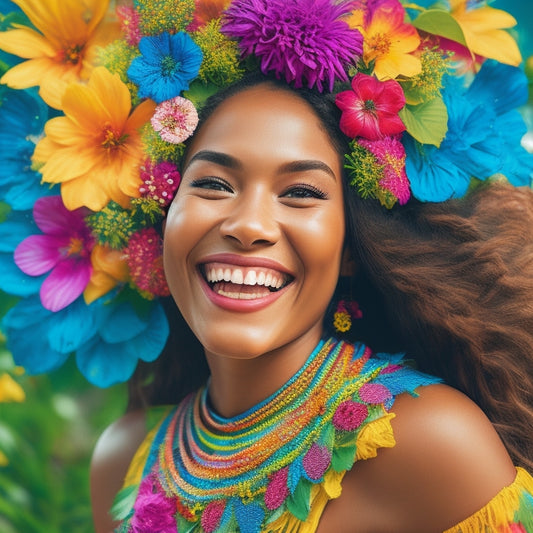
x=498, y=514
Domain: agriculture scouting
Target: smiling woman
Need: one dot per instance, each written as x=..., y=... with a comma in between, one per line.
x=319, y=242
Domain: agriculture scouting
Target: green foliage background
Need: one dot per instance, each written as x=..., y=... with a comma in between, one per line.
x=48, y=440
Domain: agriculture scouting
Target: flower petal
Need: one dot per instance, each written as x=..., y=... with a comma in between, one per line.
x=37, y=254
x=65, y=283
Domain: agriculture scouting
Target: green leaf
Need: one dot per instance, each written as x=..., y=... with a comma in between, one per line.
x=427, y=122
x=184, y=526
x=440, y=22
x=299, y=502
x=343, y=458
x=124, y=501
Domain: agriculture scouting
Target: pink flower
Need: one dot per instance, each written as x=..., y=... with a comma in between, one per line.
x=145, y=262
x=129, y=24
x=349, y=415
x=370, y=110
x=374, y=393
x=64, y=249
x=390, y=153
x=316, y=461
x=160, y=182
x=175, y=120
x=303, y=40
x=154, y=511
x=212, y=515
x=277, y=490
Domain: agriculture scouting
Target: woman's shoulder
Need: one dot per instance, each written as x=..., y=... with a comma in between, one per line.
x=447, y=463
x=111, y=459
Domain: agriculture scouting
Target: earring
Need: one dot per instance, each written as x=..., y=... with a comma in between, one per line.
x=345, y=312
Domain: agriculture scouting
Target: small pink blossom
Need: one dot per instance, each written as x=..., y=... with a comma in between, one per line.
x=64, y=249
x=175, y=120
x=144, y=255
x=316, y=461
x=374, y=393
x=277, y=490
x=390, y=153
x=349, y=415
x=212, y=515
x=129, y=24
x=370, y=109
x=159, y=181
x=154, y=510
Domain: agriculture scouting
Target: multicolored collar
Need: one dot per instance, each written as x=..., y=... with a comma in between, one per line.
x=279, y=463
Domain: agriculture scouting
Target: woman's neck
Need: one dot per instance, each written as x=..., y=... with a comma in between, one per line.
x=236, y=385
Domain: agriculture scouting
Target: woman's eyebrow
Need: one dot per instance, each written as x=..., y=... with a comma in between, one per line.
x=219, y=158
x=308, y=164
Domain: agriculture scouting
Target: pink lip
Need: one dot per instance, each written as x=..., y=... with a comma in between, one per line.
x=244, y=261
x=242, y=306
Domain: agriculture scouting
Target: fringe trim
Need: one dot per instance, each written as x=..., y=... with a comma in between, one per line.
x=376, y=434
x=499, y=514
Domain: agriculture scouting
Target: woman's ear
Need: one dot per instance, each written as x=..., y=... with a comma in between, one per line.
x=348, y=265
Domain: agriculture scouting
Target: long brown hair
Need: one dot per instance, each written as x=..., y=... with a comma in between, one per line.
x=450, y=284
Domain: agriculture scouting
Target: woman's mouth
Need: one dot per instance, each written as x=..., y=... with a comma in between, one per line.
x=243, y=283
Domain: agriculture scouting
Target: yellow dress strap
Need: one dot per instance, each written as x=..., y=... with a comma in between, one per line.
x=510, y=511
x=154, y=419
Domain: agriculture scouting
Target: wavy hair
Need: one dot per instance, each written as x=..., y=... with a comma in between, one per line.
x=449, y=284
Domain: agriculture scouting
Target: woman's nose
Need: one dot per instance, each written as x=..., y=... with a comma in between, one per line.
x=252, y=220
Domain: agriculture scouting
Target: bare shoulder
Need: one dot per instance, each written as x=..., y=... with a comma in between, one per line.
x=448, y=462
x=110, y=461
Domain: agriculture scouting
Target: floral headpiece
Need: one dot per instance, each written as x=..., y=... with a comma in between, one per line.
x=98, y=99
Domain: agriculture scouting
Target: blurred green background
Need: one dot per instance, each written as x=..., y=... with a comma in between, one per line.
x=46, y=440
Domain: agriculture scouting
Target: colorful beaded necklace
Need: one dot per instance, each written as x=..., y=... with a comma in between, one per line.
x=258, y=471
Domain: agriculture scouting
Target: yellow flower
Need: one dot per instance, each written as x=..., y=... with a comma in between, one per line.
x=95, y=150
x=109, y=268
x=64, y=47
x=388, y=41
x=10, y=390
x=484, y=31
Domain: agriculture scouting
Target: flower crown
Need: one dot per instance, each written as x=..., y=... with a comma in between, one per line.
x=97, y=101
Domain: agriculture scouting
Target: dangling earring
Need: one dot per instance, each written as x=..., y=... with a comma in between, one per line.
x=345, y=312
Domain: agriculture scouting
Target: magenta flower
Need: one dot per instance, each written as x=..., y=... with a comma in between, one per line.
x=349, y=415
x=374, y=393
x=129, y=24
x=159, y=182
x=144, y=256
x=212, y=515
x=316, y=461
x=390, y=153
x=370, y=110
x=303, y=40
x=64, y=249
x=175, y=120
x=154, y=511
x=277, y=490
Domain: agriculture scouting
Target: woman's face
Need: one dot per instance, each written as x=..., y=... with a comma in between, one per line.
x=254, y=237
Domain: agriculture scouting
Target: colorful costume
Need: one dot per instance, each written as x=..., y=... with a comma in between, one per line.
x=274, y=468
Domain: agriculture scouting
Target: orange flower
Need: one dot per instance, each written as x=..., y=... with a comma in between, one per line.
x=109, y=269
x=62, y=50
x=484, y=31
x=95, y=150
x=388, y=40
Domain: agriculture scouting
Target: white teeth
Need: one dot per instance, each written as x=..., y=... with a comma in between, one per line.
x=226, y=276
x=237, y=277
x=251, y=278
x=260, y=278
x=220, y=273
x=268, y=280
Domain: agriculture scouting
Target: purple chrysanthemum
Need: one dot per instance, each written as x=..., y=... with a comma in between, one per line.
x=303, y=40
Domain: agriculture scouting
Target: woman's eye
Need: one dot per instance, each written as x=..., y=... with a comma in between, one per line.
x=213, y=184
x=304, y=191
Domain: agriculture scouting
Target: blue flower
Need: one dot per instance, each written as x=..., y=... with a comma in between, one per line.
x=17, y=226
x=166, y=65
x=22, y=118
x=108, y=338
x=483, y=138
